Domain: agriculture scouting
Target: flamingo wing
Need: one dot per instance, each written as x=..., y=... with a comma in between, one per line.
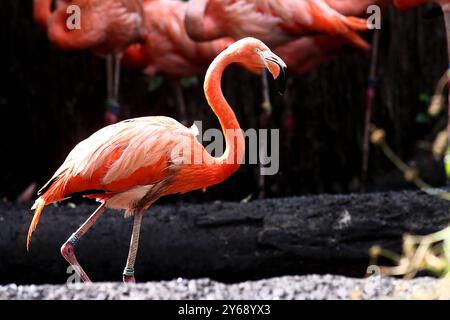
x=128, y=165
x=118, y=158
x=316, y=16
x=277, y=22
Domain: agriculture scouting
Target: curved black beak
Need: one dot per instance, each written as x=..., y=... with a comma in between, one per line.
x=281, y=80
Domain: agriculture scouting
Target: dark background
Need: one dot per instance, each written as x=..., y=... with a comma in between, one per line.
x=50, y=100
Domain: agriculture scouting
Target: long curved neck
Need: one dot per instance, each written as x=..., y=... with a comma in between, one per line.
x=42, y=10
x=198, y=26
x=234, y=139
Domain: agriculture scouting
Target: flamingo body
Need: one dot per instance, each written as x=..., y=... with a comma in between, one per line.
x=129, y=160
x=131, y=164
x=168, y=49
x=409, y=4
x=107, y=26
x=274, y=21
x=306, y=53
x=356, y=8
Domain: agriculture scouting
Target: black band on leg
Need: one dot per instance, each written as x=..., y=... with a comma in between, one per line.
x=128, y=272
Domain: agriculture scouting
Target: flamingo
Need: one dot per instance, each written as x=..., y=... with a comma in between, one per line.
x=445, y=6
x=306, y=53
x=279, y=23
x=169, y=50
x=274, y=22
x=131, y=164
x=107, y=28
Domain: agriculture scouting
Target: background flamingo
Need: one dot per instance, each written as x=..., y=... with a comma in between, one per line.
x=108, y=27
x=356, y=8
x=168, y=49
x=133, y=163
x=274, y=22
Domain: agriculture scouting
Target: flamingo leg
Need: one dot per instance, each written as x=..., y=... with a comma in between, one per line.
x=264, y=123
x=116, y=85
x=109, y=77
x=369, y=107
x=128, y=273
x=113, y=78
x=288, y=122
x=182, y=113
x=68, y=248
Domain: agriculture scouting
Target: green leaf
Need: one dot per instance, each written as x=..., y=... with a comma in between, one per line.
x=155, y=83
x=422, y=118
x=424, y=97
x=447, y=162
x=189, y=82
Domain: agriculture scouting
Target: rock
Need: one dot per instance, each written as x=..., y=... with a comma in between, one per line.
x=289, y=287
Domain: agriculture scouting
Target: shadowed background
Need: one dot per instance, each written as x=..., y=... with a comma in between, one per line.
x=50, y=100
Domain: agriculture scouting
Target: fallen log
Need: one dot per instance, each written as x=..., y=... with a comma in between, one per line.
x=223, y=241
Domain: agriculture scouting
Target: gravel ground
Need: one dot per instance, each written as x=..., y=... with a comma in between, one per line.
x=289, y=287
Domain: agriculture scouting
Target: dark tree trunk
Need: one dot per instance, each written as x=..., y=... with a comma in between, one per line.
x=225, y=241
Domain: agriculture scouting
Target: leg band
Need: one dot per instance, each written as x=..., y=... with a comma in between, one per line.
x=128, y=272
x=73, y=239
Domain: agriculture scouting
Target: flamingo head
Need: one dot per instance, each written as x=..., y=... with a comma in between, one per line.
x=255, y=56
x=407, y=4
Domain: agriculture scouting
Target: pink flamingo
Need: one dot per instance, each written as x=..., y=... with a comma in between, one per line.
x=107, y=28
x=274, y=22
x=356, y=8
x=169, y=50
x=131, y=164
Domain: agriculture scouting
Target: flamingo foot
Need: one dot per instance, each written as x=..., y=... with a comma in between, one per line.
x=129, y=279
x=128, y=276
x=68, y=252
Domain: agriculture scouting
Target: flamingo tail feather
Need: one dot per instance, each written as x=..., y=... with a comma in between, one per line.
x=37, y=207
